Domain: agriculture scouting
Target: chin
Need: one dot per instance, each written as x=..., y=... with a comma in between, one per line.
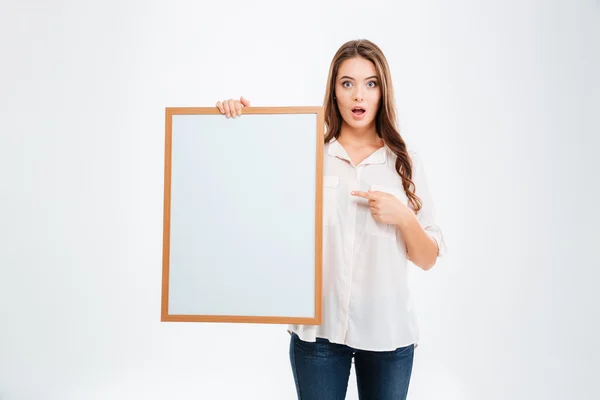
x=359, y=124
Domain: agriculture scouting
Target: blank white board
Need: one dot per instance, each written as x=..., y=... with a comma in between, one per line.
x=242, y=234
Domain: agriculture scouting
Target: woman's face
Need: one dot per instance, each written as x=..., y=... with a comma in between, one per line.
x=357, y=92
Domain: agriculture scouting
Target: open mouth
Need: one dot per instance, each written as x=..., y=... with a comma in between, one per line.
x=358, y=111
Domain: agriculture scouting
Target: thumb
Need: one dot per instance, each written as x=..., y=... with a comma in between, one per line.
x=245, y=102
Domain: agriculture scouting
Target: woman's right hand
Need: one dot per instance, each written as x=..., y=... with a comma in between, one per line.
x=233, y=108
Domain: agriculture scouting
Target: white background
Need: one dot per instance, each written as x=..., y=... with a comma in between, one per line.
x=501, y=98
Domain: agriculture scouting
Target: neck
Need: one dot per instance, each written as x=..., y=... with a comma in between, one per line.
x=366, y=136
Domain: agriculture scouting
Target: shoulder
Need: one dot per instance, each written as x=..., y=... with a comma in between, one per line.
x=331, y=141
x=412, y=152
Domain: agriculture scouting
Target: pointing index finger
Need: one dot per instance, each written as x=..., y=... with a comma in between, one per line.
x=365, y=195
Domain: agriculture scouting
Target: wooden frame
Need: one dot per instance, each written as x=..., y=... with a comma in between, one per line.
x=171, y=113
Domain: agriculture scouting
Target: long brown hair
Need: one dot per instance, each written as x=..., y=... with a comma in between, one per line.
x=385, y=121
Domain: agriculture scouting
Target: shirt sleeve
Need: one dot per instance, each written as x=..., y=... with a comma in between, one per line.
x=426, y=216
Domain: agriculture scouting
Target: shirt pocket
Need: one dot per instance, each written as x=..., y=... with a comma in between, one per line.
x=330, y=200
x=374, y=227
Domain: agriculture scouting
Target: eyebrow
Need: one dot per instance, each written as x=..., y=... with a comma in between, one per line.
x=348, y=77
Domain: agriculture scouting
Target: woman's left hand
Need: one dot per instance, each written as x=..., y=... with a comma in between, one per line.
x=385, y=207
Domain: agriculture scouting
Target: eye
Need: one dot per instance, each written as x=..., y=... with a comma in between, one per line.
x=373, y=82
x=344, y=83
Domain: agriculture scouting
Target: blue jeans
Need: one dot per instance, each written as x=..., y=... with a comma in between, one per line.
x=322, y=369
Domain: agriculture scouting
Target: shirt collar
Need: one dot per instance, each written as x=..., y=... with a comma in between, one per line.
x=379, y=156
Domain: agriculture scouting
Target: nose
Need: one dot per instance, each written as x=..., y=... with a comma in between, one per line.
x=358, y=96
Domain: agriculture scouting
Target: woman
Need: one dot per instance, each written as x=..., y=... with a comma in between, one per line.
x=377, y=215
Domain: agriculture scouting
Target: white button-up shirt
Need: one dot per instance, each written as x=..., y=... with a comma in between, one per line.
x=366, y=301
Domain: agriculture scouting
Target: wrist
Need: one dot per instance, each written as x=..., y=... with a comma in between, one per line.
x=406, y=217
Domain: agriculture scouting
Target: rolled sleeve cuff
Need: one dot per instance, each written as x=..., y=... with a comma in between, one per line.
x=436, y=234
